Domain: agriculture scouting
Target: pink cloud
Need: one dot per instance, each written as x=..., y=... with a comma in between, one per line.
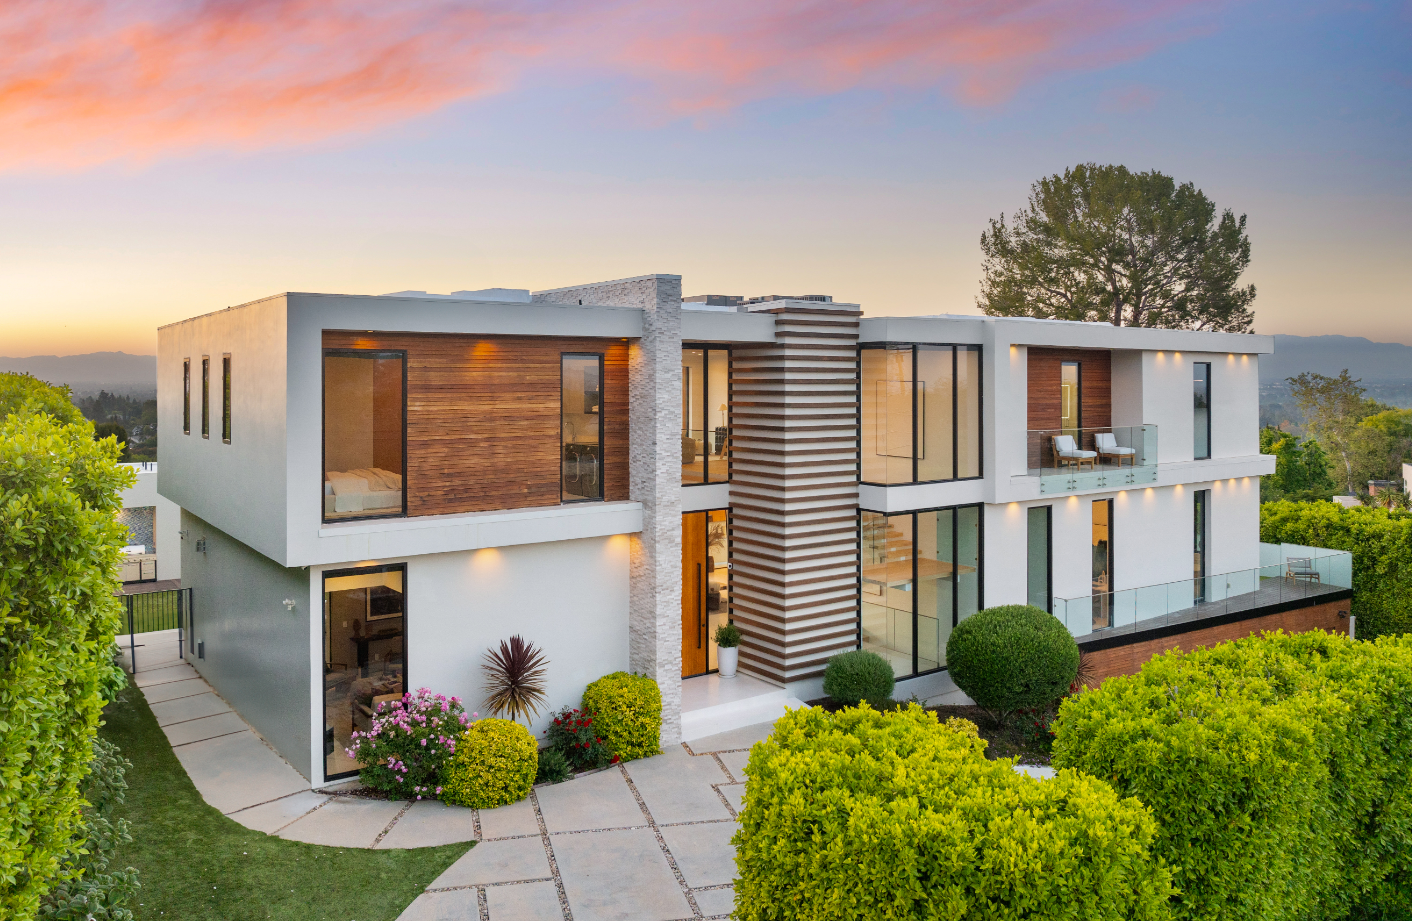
x=88, y=81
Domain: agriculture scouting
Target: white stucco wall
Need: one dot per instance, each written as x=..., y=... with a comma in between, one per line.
x=570, y=598
x=144, y=494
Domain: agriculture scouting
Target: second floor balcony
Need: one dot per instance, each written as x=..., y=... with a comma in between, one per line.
x=1069, y=460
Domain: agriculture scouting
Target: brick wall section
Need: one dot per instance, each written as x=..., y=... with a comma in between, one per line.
x=654, y=476
x=1127, y=660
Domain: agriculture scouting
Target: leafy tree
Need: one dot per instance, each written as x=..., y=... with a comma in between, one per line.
x=1101, y=243
x=1301, y=470
x=1366, y=437
x=117, y=433
x=23, y=393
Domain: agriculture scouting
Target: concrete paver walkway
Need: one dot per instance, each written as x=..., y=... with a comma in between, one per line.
x=644, y=841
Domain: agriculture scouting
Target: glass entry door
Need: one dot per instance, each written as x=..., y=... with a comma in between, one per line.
x=1102, y=564
x=365, y=654
x=705, y=582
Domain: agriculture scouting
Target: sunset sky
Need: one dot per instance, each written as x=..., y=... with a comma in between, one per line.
x=164, y=158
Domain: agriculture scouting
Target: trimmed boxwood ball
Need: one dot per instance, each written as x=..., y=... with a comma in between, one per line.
x=1012, y=657
x=495, y=765
x=852, y=677
x=627, y=709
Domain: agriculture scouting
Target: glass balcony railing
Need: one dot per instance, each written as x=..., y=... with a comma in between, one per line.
x=1074, y=460
x=1287, y=571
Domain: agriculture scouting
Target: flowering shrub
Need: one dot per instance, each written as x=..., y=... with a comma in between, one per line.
x=1037, y=728
x=573, y=735
x=410, y=745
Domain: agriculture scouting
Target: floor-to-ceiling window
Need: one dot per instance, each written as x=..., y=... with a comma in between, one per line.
x=365, y=654
x=705, y=580
x=920, y=413
x=705, y=415
x=365, y=433
x=1039, y=571
x=1070, y=399
x=921, y=575
x=1102, y=563
x=581, y=421
x=1201, y=410
x=1201, y=501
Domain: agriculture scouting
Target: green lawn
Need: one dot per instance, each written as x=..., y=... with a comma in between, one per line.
x=195, y=864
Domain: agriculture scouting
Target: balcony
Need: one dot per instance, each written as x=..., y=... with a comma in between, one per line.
x=1287, y=572
x=1077, y=460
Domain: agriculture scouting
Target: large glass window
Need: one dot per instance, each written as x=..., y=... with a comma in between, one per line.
x=1039, y=571
x=920, y=413
x=1102, y=564
x=705, y=414
x=225, y=398
x=1201, y=410
x=921, y=576
x=365, y=654
x=205, y=396
x=365, y=424
x=186, y=396
x=705, y=588
x=581, y=421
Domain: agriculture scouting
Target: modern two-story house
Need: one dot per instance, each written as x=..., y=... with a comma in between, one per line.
x=377, y=490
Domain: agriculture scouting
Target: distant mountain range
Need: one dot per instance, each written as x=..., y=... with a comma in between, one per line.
x=115, y=372
x=1371, y=361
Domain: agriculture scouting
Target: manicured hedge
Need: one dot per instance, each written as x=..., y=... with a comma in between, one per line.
x=1381, y=544
x=627, y=709
x=866, y=815
x=495, y=764
x=852, y=677
x=1012, y=657
x=1276, y=767
x=59, y=552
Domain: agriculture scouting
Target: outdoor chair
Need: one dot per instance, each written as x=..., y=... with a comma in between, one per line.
x=1108, y=449
x=1301, y=567
x=1066, y=452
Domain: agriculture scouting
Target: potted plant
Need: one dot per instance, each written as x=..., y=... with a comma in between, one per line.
x=727, y=649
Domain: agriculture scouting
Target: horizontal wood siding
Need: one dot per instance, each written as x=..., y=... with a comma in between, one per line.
x=1095, y=398
x=483, y=425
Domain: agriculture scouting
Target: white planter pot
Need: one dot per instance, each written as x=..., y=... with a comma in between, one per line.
x=726, y=659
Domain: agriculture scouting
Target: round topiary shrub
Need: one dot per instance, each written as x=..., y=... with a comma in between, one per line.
x=851, y=677
x=1013, y=657
x=627, y=709
x=495, y=765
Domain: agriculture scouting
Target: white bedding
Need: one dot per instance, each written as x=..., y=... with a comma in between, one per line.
x=365, y=489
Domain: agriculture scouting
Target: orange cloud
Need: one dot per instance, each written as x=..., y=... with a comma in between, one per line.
x=87, y=81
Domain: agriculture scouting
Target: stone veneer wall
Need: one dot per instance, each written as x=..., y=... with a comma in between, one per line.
x=654, y=476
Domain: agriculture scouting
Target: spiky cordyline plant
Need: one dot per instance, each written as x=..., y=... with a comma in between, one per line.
x=515, y=679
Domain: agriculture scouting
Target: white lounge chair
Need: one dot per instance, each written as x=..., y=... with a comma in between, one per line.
x=1108, y=449
x=1066, y=452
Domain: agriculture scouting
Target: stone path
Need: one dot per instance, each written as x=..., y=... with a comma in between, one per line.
x=644, y=841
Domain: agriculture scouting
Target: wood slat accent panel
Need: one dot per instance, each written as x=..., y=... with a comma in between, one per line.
x=1095, y=397
x=483, y=424
x=794, y=472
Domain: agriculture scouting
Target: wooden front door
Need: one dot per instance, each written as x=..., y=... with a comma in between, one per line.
x=694, y=577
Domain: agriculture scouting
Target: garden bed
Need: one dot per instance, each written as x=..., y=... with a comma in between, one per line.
x=1016, y=738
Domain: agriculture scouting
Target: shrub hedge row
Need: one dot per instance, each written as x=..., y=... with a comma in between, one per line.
x=1276, y=768
x=862, y=814
x=1381, y=544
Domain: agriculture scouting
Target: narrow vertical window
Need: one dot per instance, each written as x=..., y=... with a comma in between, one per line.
x=936, y=410
x=1071, y=400
x=365, y=433
x=887, y=610
x=1200, y=533
x=1040, y=562
x=717, y=415
x=581, y=421
x=693, y=424
x=225, y=398
x=887, y=415
x=1102, y=564
x=968, y=411
x=205, y=396
x=186, y=396
x=1201, y=410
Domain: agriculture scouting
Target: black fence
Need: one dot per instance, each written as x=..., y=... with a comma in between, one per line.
x=149, y=612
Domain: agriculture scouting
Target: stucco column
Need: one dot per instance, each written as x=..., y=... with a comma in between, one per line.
x=654, y=475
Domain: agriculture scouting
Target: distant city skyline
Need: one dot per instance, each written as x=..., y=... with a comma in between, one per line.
x=176, y=160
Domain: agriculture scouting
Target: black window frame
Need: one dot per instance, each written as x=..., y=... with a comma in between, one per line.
x=323, y=637
x=1201, y=541
x=955, y=582
x=225, y=398
x=955, y=347
x=1048, y=554
x=602, y=416
x=706, y=350
x=323, y=428
x=1206, y=381
x=206, y=396
x=186, y=396
x=1112, y=509
x=1078, y=397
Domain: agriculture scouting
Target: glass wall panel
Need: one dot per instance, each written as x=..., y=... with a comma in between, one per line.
x=886, y=608
x=718, y=416
x=968, y=561
x=364, y=434
x=364, y=655
x=936, y=457
x=718, y=583
x=1201, y=410
x=887, y=415
x=693, y=423
x=1039, y=577
x=582, y=425
x=936, y=589
x=968, y=412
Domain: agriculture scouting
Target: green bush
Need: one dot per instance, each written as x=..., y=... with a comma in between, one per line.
x=864, y=815
x=628, y=711
x=1276, y=767
x=1381, y=544
x=59, y=610
x=495, y=765
x=23, y=395
x=1012, y=657
x=852, y=677
x=553, y=767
